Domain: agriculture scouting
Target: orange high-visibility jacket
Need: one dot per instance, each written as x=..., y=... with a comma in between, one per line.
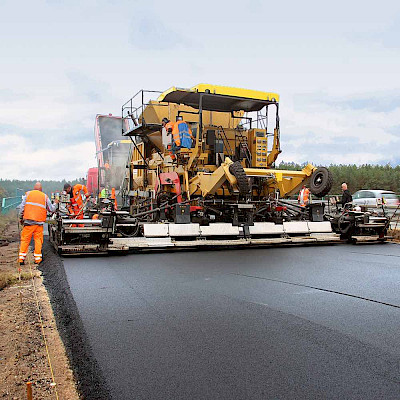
x=76, y=194
x=169, y=126
x=178, y=133
x=35, y=206
x=304, y=196
x=114, y=197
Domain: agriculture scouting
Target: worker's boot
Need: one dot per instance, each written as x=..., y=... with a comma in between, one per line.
x=21, y=262
x=38, y=258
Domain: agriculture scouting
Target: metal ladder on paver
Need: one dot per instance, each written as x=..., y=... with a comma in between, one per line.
x=221, y=134
x=242, y=141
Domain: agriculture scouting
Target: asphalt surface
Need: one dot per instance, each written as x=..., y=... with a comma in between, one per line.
x=279, y=323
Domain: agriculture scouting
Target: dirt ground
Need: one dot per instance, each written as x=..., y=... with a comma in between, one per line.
x=23, y=355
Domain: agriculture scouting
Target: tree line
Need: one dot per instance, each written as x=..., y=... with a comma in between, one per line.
x=14, y=187
x=358, y=177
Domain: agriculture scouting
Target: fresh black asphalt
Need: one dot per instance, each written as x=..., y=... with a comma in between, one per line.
x=279, y=323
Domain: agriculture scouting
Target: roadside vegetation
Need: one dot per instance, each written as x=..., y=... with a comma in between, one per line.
x=10, y=278
x=8, y=187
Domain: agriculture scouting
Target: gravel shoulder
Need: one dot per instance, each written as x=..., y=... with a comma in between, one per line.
x=89, y=378
x=23, y=355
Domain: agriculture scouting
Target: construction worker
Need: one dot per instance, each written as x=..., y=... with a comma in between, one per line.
x=346, y=195
x=33, y=213
x=166, y=132
x=114, y=197
x=181, y=136
x=104, y=193
x=304, y=196
x=76, y=205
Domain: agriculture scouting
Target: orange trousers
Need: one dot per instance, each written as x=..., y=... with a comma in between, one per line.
x=76, y=212
x=26, y=236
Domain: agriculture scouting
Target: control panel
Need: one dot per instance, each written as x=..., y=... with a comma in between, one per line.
x=258, y=147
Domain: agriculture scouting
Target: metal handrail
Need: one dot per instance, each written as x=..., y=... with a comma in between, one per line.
x=225, y=140
x=239, y=135
x=132, y=111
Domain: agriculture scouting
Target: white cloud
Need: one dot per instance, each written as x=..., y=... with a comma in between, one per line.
x=20, y=161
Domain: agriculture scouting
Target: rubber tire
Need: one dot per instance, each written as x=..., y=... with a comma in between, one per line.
x=324, y=187
x=236, y=169
x=344, y=230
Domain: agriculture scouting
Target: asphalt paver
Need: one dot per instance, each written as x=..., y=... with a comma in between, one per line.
x=320, y=322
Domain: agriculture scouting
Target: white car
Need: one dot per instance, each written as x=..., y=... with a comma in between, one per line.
x=374, y=198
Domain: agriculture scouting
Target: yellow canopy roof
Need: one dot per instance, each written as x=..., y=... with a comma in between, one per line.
x=219, y=98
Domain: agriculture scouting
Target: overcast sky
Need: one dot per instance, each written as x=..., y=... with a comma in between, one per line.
x=335, y=64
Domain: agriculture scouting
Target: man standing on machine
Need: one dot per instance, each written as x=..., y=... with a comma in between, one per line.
x=346, y=195
x=167, y=127
x=181, y=135
x=76, y=206
x=304, y=196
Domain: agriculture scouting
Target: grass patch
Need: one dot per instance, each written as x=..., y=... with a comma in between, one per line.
x=9, y=279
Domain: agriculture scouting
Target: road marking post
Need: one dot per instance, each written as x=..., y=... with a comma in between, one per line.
x=29, y=390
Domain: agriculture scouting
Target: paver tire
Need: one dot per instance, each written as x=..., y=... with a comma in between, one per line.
x=236, y=169
x=321, y=182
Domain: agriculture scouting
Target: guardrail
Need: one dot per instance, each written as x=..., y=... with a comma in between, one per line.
x=9, y=203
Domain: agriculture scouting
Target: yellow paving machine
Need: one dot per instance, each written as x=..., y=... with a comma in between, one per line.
x=201, y=174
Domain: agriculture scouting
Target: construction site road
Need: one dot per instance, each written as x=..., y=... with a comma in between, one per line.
x=278, y=323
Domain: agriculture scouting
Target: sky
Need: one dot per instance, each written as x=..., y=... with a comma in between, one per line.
x=336, y=66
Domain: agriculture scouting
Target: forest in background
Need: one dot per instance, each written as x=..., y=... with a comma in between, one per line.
x=357, y=177
x=8, y=188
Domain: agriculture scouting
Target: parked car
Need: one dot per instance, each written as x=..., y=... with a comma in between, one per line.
x=374, y=198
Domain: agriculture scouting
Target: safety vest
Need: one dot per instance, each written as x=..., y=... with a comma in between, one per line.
x=304, y=196
x=35, y=206
x=182, y=135
x=104, y=194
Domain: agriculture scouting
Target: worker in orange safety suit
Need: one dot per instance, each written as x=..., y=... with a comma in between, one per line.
x=304, y=196
x=76, y=206
x=114, y=197
x=33, y=213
